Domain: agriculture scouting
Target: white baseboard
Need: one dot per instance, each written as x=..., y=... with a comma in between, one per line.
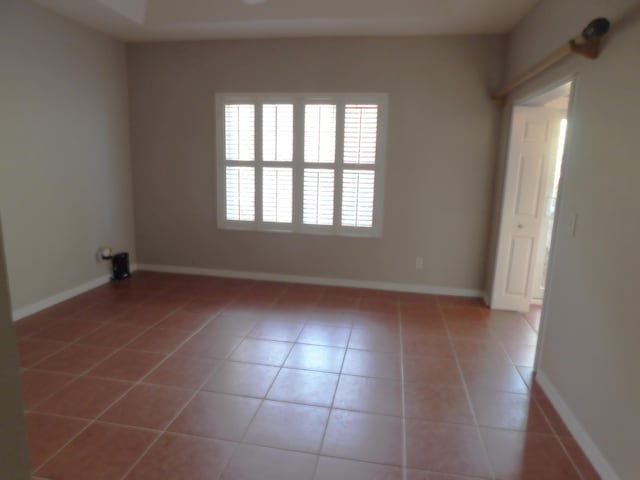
x=32, y=308
x=334, y=282
x=581, y=436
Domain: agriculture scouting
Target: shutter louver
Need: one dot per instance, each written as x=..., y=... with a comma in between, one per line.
x=240, y=187
x=360, y=134
x=318, y=196
x=277, y=195
x=277, y=133
x=239, y=127
x=357, y=198
x=319, y=133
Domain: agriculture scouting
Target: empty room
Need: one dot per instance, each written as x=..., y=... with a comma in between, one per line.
x=332, y=240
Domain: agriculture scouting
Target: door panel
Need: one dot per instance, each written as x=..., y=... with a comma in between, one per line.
x=532, y=149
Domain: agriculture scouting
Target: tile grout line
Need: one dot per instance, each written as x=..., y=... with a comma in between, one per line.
x=333, y=400
x=133, y=384
x=186, y=404
x=85, y=373
x=485, y=451
x=240, y=441
x=403, y=398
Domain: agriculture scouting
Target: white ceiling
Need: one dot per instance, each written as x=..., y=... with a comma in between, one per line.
x=156, y=20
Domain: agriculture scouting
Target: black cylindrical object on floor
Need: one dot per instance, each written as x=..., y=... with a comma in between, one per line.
x=120, y=264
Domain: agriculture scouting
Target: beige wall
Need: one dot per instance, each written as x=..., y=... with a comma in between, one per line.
x=440, y=158
x=14, y=461
x=65, y=181
x=591, y=327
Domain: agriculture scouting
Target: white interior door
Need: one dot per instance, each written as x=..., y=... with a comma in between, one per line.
x=533, y=145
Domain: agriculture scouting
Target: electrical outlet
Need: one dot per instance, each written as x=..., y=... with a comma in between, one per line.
x=419, y=263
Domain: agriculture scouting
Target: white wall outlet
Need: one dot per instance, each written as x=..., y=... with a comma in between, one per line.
x=419, y=263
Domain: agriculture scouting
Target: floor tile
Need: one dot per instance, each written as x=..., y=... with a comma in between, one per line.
x=527, y=374
x=85, y=397
x=437, y=403
x=580, y=459
x=149, y=406
x=129, y=365
x=288, y=426
x=339, y=469
x=374, y=395
x=47, y=434
x=37, y=385
x=521, y=355
x=182, y=320
x=376, y=339
x=273, y=330
x=69, y=330
x=113, y=335
x=523, y=335
x=364, y=436
x=470, y=350
x=159, y=340
x=315, y=357
x=33, y=350
x=326, y=335
x=372, y=364
x=242, y=379
x=213, y=415
x=329, y=317
x=234, y=323
x=183, y=371
x=250, y=462
x=145, y=316
x=445, y=448
x=432, y=371
x=493, y=376
x=267, y=352
x=527, y=456
x=102, y=452
x=471, y=329
x=511, y=411
x=74, y=359
x=304, y=386
x=426, y=345
x=210, y=343
x=181, y=457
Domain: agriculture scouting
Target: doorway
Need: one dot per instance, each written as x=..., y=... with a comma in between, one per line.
x=532, y=176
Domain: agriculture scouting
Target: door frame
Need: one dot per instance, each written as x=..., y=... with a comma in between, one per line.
x=518, y=100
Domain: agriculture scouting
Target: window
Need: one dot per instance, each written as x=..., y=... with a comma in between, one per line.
x=301, y=163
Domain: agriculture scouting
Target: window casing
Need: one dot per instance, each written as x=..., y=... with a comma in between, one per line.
x=301, y=163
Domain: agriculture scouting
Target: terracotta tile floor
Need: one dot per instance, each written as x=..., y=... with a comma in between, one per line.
x=180, y=377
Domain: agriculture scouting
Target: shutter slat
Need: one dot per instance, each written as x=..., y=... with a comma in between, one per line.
x=357, y=198
x=319, y=133
x=360, y=134
x=318, y=196
x=277, y=132
x=277, y=195
x=239, y=128
x=240, y=188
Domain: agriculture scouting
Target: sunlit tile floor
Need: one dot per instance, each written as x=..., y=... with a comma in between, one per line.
x=200, y=378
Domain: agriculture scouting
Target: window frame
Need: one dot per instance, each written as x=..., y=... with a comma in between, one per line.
x=298, y=165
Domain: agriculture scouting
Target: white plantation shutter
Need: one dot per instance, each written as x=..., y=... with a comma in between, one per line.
x=306, y=163
x=318, y=196
x=320, y=133
x=360, y=134
x=277, y=133
x=357, y=198
x=239, y=127
x=240, y=193
x=277, y=195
